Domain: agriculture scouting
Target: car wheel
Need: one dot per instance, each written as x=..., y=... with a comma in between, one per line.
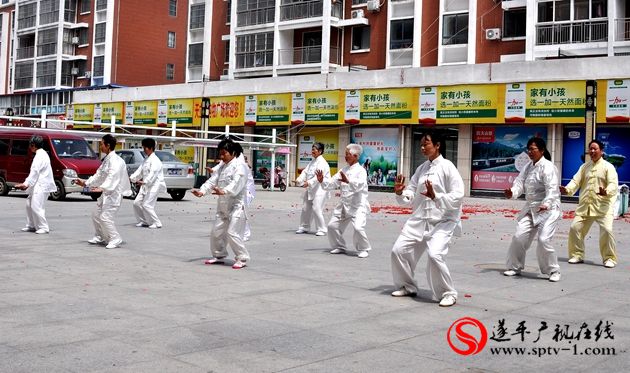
x=178, y=195
x=60, y=193
x=4, y=188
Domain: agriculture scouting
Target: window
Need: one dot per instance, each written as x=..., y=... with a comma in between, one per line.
x=170, y=39
x=27, y=15
x=172, y=8
x=254, y=50
x=255, y=12
x=228, y=17
x=170, y=71
x=195, y=55
x=23, y=75
x=86, y=6
x=455, y=29
x=558, y=10
x=99, y=33
x=197, y=16
x=46, y=73
x=82, y=33
x=99, y=66
x=357, y=2
x=47, y=42
x=514, y=23
x=401, y=34
x=4, y=146
x=20, y=147
x=48, y=11
x=360, y=38
x=226, y=56
x=101, y=4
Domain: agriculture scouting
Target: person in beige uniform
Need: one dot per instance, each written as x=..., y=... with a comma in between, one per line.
x=597, y=181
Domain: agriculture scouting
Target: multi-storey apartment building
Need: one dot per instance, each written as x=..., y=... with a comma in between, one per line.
x=52, y=47
x=370, y=71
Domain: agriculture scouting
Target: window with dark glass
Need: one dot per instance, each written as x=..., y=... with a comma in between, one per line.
x=514, y=22
x=170, y=71
x=170, y=42
x=197, y=16
x=99, y=66
x=360, y=37
x=172, y=8
x=195, y=54
x=401, y=34
x=86, y=6
x=455, y=29
x=99, y=33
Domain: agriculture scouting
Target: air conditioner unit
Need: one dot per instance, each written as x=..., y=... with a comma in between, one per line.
x=75, y=40
x=357, y=13
x=493, y=34
x=87, y=74
x=373, y=5
x=74, y=71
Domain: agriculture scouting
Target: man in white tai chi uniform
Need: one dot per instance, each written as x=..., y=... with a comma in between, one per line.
x=151, y=180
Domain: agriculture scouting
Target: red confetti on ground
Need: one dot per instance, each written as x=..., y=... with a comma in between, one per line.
x=467, y=296
x=392, y=210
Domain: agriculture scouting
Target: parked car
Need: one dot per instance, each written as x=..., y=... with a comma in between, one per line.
x=70, y=157
x=178, y=176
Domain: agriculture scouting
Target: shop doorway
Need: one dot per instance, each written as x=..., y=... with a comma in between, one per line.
x=450, y=135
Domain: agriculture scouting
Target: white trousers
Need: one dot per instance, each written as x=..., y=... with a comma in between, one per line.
x=313, y=209
x=144, y=207
x=337, y=226
x=522, y=240
x=103, y=220
x=406, y=253
x=228, y=230
x=35, y=211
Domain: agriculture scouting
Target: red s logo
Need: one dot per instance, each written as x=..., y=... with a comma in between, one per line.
x=473, y=346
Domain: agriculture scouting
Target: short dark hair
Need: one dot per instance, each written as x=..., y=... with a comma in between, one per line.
x=599, y=143
x=110, y=141
x=148, y=143
x=231, y=147
x=436, y=139
x=37, y=141
x=319, y=146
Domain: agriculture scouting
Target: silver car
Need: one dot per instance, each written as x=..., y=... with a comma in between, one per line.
x=178, y=176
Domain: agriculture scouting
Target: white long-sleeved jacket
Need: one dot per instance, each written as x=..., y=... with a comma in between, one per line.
x=540, y=184
x=40, y=179
x=448, y=187
x=151, y=173
x=354, y=194
x=308, y=176
x=231, y=177
x=112, y=178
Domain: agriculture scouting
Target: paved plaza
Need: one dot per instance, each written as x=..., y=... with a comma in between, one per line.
x=153, y=306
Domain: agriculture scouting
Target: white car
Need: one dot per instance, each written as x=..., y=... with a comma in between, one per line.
x=178, y=176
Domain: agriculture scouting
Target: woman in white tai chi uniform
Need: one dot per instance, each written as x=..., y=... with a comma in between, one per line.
x=540, y=215
x=39, y=184
x=314, y=196
x=435, y=191
x=353, y=206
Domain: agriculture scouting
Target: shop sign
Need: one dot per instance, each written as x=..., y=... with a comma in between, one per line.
x=185, y=153
x=515, y=97
x=145, y=112
x=427, y=106
x=561, y=101
x=226, y=111
x=298, y=107
x=467, y=103
x=274, y=109
x=352, y=113
x=617, y=96
x=107, y=110
x=83, y=113
x=381, y=106
x=328, y=137
x=322, y=107
x=181, y=111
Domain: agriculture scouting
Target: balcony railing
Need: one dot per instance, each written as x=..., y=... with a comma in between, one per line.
x=307, y=9
x=304, y=55
x=25, y=52
x=254, y=59
x=26, y=22
x=256, y=16
x=622, y=29
x=572, y=32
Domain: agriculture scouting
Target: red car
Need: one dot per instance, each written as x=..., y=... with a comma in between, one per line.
x=70, y=157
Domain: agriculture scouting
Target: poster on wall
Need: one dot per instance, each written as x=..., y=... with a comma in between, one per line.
x=616, y=150
x=562, y=101
x=328, y=137
x=515, y=102
x=617, y=96
x=468, y=103
x=499, y=153
x=226, y=111
x=381, y=147
x=427, y=105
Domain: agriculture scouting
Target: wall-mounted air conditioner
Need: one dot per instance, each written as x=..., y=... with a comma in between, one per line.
x=87, y=74
x=74, y=71
x=373, y=5
x=75, y=40
x=357, y=13
x=493, y=34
